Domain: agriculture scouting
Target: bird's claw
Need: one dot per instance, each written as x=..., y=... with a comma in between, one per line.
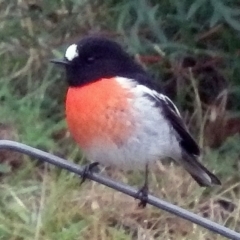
x=142, y=194
x=88, y=169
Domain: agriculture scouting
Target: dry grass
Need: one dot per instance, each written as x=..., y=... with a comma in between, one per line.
x=54, y=206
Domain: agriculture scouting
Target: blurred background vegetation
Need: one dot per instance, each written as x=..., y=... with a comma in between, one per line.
x=192, y=48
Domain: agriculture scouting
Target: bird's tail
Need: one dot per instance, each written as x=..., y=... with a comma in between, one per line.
x=198, y=172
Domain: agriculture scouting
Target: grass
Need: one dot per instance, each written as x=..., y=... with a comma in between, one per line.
x=193, y=47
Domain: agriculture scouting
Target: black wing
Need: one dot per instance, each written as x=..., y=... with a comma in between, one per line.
x=171, y=113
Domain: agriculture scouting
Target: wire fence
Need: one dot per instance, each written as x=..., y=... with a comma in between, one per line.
x=166, y=206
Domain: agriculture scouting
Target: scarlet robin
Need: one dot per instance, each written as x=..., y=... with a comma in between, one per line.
x=117, y=116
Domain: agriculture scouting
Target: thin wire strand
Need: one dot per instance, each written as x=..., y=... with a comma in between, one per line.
x=72, y=167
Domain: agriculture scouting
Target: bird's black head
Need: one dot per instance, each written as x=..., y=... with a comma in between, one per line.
x=93, y=58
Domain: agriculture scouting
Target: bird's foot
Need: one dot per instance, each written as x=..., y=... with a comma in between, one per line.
x=87, y=170
x=143, y=196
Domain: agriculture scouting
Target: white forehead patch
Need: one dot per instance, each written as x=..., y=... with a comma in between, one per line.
x=71, y=52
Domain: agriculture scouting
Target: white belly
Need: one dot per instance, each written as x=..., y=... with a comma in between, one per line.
x=152, y=140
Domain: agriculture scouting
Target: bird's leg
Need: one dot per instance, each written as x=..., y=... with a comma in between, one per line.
x=143, y=191
x=88, y=169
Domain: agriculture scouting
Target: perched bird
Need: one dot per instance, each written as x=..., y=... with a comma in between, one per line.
x=117, y=116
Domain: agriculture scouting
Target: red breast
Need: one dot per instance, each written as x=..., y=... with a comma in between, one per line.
x=99, y=111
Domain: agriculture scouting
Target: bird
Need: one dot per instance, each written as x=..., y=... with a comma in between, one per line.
x=118, y=116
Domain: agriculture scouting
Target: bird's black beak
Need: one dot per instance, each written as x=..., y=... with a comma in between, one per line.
x=60, y=61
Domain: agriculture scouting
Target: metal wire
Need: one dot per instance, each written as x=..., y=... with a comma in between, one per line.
x=72, y=167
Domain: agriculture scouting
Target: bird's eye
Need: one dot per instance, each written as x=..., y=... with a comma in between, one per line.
x=90, y=59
